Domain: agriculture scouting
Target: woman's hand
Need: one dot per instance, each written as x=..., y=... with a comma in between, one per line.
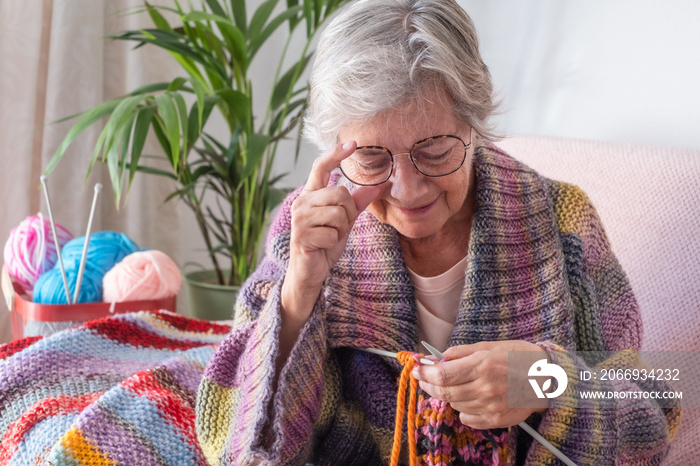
x=322, y=217
x=475, y=382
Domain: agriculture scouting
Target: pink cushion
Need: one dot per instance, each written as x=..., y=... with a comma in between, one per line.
x=649, y=201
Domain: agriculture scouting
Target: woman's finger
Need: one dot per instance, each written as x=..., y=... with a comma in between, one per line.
x=448, y=393
x=320, y=238
x=332, y=206
x=323, y=165
x=462, y=351
x=475, y=421
x=354, y=203
x=452, y=372
x=332, y=196
x=333, y=216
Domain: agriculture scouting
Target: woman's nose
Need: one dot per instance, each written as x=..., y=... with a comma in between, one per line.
x=407, y=182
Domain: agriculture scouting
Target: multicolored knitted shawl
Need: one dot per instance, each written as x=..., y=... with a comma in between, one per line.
x=117, y=391
x=539, y=269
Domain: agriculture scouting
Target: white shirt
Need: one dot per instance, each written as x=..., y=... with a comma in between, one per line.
x=438, y=299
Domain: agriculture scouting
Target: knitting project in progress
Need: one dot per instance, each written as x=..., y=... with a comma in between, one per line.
x=114, y=391
x=446, y=440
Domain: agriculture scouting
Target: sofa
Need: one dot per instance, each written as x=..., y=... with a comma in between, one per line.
x=649, y=201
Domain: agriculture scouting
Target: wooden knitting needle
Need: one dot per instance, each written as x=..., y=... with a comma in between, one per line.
x=525, y=426
x=55, y=238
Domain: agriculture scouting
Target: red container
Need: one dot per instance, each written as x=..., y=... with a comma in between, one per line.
x=23, y=310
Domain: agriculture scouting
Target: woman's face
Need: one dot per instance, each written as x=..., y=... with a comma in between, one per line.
x=416, y=205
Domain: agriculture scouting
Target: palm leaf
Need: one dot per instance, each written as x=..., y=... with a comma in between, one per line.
x=157, y=18
x=88, y=119
x=261, y=38
x=141, y=126
x=168, y=116
x=260, y=17
x=239, y=14
x=233, y=36
x=286, y=83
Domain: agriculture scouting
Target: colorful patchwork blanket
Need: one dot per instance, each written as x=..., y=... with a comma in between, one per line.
x=114, y=391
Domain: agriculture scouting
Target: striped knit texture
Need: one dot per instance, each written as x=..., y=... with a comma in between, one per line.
x=540, y=269
x=115, y=391
x=446, y=441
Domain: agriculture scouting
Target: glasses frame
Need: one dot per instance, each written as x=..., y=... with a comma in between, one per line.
x=410, y=156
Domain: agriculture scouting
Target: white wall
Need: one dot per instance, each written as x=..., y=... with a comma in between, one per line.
x=611, y=70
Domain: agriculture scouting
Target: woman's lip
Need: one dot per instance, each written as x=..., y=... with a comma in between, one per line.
x=418, y=210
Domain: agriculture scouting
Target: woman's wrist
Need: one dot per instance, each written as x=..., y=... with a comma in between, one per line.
x=297, y=301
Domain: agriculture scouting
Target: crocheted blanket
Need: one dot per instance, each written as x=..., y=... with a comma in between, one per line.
x=119, y=390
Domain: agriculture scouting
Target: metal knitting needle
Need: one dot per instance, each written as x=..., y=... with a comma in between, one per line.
x=86, y=243
x=55, y=238
x=536, y=435
x=389, y=354
x=525, y=426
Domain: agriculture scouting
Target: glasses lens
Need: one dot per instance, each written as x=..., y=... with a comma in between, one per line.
x=439, y=156
x=367, y=166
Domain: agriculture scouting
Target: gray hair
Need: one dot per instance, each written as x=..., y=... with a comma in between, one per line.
x=379, y=54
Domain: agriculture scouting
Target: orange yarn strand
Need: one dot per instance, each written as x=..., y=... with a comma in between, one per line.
x=408, y=360
x=411, y=427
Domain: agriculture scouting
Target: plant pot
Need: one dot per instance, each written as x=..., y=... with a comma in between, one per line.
x=208, y=300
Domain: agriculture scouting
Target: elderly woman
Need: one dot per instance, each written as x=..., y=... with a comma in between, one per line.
x=432, y=233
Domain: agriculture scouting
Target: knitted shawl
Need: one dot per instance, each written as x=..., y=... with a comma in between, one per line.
x=539, y=269
x=115, y=391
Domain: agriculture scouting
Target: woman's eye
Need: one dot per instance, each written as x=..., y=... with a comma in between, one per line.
x=371, y=160
x=432, y=157
x=370, y=166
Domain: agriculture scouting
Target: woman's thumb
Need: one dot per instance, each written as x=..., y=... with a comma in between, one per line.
x=364, y=195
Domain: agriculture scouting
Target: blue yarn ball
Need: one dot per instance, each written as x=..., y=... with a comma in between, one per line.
x=49, y=287
x=105, y=250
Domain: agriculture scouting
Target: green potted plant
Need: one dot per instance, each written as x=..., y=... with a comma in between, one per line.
x=214, y=44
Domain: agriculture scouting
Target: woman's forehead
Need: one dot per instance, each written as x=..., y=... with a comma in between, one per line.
x=402, y=126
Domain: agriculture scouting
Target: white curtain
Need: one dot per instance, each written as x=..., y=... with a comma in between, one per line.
x=55, y=61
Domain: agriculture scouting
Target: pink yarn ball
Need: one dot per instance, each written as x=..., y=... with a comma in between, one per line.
x=142, y=275
x=30, y=250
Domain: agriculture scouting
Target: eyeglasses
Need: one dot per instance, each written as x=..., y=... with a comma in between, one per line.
x=434, y=156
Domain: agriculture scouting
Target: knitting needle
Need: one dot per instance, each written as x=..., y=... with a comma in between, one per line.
x=536, y=435
x=55, y=238
x=389, y=354
x=86, y=243
x=525, y=426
